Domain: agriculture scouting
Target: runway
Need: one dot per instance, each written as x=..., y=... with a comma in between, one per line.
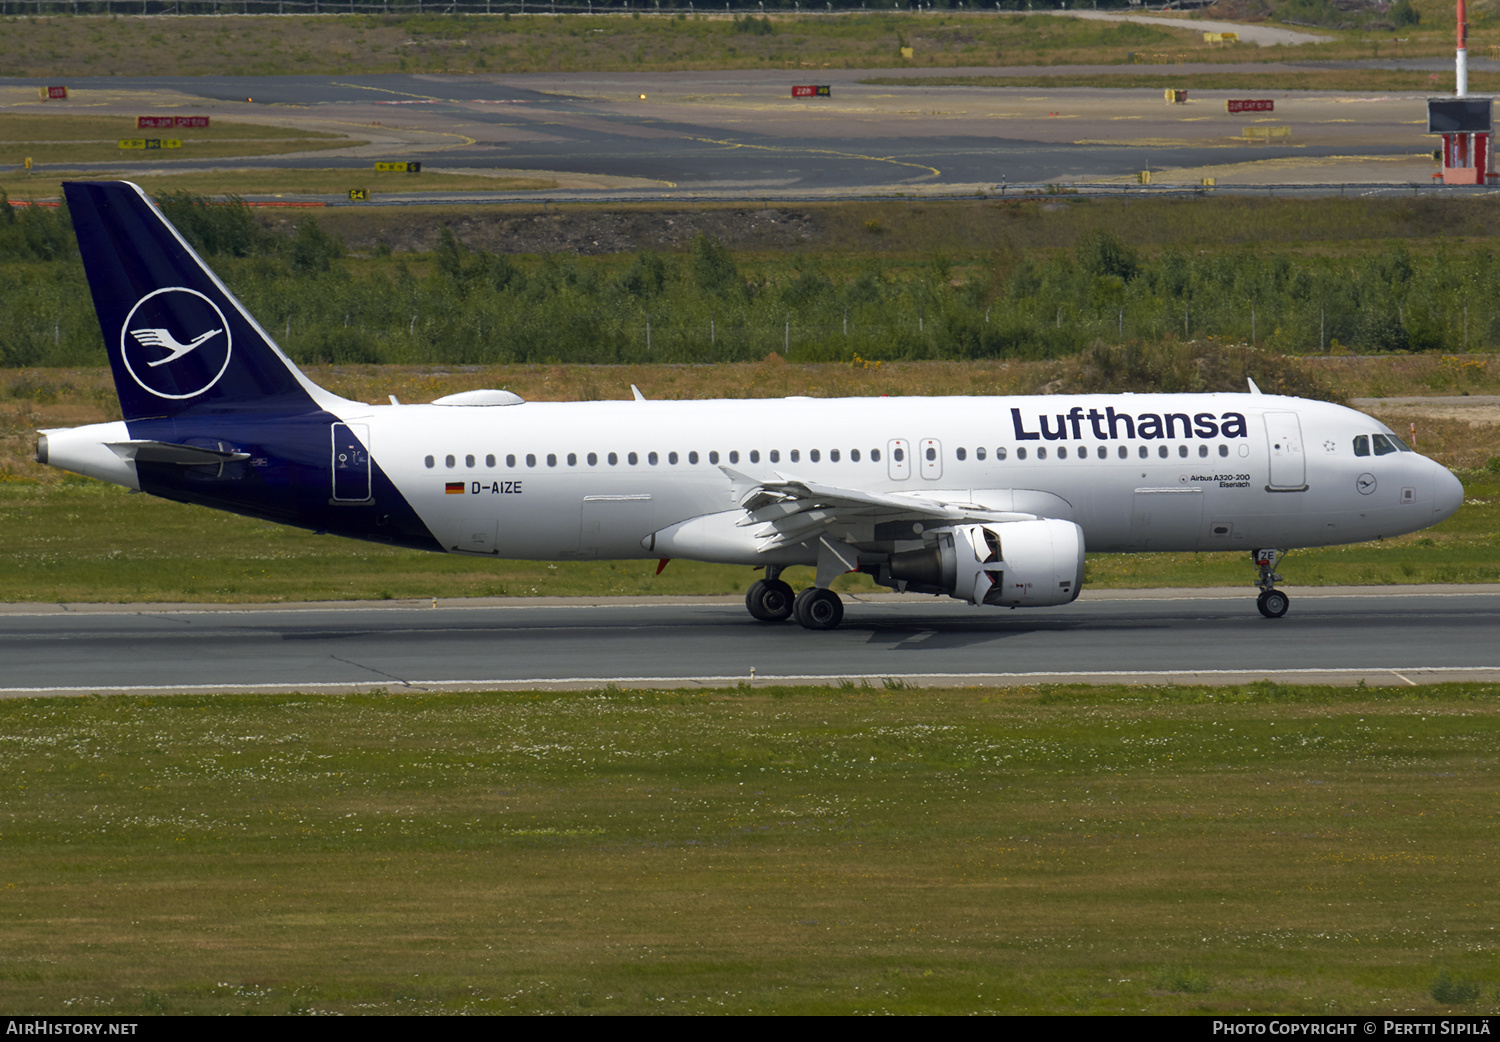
x=1381, y=635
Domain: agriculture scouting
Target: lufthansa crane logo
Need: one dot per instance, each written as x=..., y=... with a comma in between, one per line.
x=175, y=342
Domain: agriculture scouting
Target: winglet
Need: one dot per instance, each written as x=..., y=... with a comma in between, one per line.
x=1253, y=388
x=636, y=391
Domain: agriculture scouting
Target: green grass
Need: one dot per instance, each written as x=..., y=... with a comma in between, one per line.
x=1260, y=849
x=55, y=139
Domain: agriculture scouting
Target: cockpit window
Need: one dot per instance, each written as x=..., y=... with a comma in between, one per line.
x=1399, y=443
x=1383, y=446
x=1362, y=445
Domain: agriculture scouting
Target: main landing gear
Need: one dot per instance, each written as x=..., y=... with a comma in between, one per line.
x=771, y=600
x=1271, y=602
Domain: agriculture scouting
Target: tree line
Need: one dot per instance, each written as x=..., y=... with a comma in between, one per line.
x=456, y=305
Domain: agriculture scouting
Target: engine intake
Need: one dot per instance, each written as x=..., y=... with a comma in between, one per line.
x=1014, y=564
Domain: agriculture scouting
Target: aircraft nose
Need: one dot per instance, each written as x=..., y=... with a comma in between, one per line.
x=1447, y=494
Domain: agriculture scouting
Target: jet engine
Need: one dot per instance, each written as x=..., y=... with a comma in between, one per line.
x=1011, y=564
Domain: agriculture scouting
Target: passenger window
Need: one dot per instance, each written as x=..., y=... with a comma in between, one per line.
x=754, y=455
x=874, y=455
x=632, y=458
x=572, y=459
x=1202, y=451
x=1062, y=452
x=1383, y=447
x=613, y=459
x=672, y=458
x=979, y=454
x=795, y=455
x=593, y=459
x=775, y=456
x=651, y=458
x=1124, y=453
x=530, y=460
x=713, y=457
x=1182, y=451
x=1143, y=452
x=489, y=461
x=1162, y=452
x=1362, y=445
x=900, y=454
x=959, y=453
x=814, y=455
x=692, y=457
x=551, y=459
x=931, y=454
x=468, y=461
x=734, y=455
x=510, y=461
x=1000, y=454
x=430, y=462
x=450, y=461
x=1021, y=452
x=833, y=455
x=1103, y=452
x=1041, y=453
x=1223, y=450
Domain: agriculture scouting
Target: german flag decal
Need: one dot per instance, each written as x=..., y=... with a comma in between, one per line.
x=454, y=488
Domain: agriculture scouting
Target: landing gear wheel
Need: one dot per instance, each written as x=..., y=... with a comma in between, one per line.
x=819, y=609
x=769, y=600
x=1273, y=603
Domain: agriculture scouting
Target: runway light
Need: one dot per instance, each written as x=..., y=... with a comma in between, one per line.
x=643, y=97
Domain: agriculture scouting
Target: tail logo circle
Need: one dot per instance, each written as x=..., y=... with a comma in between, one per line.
x=175, y=343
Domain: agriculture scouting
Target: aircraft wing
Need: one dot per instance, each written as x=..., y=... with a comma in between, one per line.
x=789, y=510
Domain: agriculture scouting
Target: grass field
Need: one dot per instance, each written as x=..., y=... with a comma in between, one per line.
x=290, y=182
x=53, y=139
x=229, y=45
x=1261, y=849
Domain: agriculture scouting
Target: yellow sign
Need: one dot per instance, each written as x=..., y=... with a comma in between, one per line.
x=150, y=142
x=358, y=195
x=907, y=52
x=1209, y=182
x=1144, y=177
x=1267, y=133
x=399, y=168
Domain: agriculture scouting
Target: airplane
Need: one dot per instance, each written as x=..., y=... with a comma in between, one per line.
x=989, y=500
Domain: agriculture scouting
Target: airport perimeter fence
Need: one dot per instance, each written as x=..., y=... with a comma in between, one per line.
x=13, y=8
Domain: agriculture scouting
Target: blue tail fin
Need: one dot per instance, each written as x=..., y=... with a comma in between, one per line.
x=178, y=340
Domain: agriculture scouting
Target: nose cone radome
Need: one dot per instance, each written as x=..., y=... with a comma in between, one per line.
x=1447, y=495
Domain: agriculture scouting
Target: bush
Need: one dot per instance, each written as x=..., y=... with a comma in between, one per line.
x=1454, y=991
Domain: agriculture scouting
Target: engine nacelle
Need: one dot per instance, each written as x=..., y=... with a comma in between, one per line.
x=1015, y=564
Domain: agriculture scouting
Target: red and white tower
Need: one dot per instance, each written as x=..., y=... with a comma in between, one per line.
x=1461, y=60
x=1464, y=122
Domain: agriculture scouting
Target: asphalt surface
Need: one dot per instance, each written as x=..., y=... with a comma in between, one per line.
x=732, y=134
x=1379, y=634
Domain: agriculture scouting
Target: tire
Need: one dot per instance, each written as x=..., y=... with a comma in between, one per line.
x=769, y=600
x=1273, y=604
x=819, y=609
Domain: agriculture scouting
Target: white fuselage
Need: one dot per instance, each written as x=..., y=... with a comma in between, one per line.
x=593, y=479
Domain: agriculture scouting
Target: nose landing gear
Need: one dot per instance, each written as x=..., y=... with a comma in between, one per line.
x=1271, y=602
